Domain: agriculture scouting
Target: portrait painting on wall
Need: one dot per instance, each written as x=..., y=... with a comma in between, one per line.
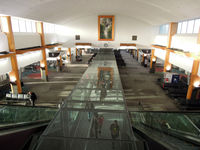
x=106, y=28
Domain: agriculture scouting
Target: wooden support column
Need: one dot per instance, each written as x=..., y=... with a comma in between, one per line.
x=143, y=59
x=193, y=78
x=80, y=52
x=137, y=54
x=59, y=49
x=70, y=54
x=43, y=62
x=76, y=52
x=14, y=74
x=167, y=64
x=152, y=57
x=172, y=31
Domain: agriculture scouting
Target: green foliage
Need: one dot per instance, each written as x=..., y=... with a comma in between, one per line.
x=102, y=28
x=110, y=33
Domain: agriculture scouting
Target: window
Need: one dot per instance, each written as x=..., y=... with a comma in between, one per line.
x=179, y=27
x=28, y=26
x=49, y=28
x=190, y=26
x=22, y=25
x=196, y=26
x=33, y=26
x=164, y=29
x=4, y=24
x=184, y=27
x=15, y=24
x=52, y=28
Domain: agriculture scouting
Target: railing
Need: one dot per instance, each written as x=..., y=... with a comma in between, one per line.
x=169, y=127
x=99, y=93
x=12, y=116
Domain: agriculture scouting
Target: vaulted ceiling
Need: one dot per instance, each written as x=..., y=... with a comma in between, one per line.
x=154, y=12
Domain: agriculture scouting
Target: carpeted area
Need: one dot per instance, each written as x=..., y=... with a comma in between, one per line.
x=141, y=89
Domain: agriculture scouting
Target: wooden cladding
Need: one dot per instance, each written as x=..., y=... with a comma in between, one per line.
x=159, y=47
x=83, y=44
x=127, y=44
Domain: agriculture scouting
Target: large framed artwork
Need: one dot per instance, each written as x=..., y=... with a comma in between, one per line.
x=106, y=28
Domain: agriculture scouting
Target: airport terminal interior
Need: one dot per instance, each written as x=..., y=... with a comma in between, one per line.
x=100, y=75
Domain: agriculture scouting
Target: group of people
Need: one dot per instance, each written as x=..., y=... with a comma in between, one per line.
x=98, y=121
x=97, y=124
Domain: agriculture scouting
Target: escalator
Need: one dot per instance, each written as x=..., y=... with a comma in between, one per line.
x=20, y=126
x=170, y=130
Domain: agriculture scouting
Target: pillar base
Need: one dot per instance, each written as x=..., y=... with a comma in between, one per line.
x=145, y=61
x=43, y=74
x=14, y=88
x=59, y=68
x=152, y=70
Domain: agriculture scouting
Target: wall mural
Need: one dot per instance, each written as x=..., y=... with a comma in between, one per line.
x=106, y=28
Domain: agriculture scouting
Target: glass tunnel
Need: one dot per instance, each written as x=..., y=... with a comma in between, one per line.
x=94, y=116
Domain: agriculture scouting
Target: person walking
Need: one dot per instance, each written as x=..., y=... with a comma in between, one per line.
x=100, y=122
x=33, y=97
x=114, y=129
x=90, y=106
x=96, y=125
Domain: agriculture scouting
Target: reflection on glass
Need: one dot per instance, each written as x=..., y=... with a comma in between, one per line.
x=81, y=144
x=94, y=111
x=10, y=115
x=179, y=123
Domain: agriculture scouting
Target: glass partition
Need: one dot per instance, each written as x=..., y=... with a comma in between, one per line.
x=95, y=114
x=177, y=129
x=13, y=115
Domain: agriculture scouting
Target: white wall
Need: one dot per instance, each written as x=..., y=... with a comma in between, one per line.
x=3, y=42
x=5, y=65
x=50, y=38
x=181, y=61
x=26, y=39
x=161, y=40
x=186, y=42
x=28, y=58
x=125, y=27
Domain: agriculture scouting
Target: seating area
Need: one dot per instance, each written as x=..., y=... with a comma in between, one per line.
x=16, y=98
x=119, y=59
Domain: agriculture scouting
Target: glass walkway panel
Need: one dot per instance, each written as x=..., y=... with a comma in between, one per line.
x=94, y=116
x=13, y=116
x=175, y=130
